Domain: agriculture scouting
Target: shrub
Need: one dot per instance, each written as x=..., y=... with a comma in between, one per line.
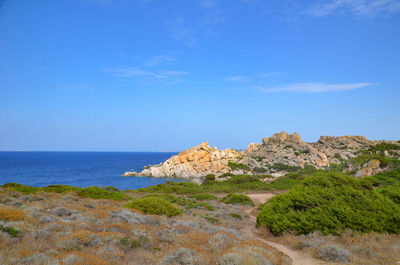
x=212, y=220
x=284, y=167
x=8, y=214
x=99, y=193
x=153, y=205
x=235, y=166
x=22, y=188
x=330, y=202
x=236, y=215
x=233, y=198
x=209, y=177
x=334, y=253
x=132, y=243
x=187, y=203
x=9, y=230
x=59, y=188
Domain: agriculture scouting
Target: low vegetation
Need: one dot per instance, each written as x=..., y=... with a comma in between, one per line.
x=233, y=198
x=9, y=230
x=182, y=201
x=109, y=193
x=331, y=202
x=154, y=205
x=235, y=166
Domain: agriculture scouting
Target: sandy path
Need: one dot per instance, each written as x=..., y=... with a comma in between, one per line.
x=298, y=257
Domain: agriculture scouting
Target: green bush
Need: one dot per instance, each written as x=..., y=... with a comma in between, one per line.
x=9, y=230
x=212, y=220
x=21, y=188
x=59, y=188
x=233, y=198
x=284, y=167
x=153, y=205
x=330, y=202
x=235, y=166
x=236, y=215
x=132, y=243
x=100, y=193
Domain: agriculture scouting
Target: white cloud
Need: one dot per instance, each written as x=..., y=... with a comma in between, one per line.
x=313, y=87
x=354, y=7
x=238, y=78
x=135, y=72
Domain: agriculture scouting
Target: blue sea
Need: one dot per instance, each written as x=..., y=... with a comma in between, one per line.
x=82, y=169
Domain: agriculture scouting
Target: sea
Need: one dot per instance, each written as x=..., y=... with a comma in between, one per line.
x=81, y=169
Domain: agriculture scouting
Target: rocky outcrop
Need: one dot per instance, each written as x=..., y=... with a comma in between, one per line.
x=286, y=149
x=371, y=168
x=193, y=164
x=276, y=155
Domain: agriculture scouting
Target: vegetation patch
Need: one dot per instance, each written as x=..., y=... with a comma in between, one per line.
x=9, y=230
x=154, y=205
x=331, y=202
x=100, y=193
x=182, y=201
x=236, y=215
x=212, y=220
x=233, y=198
x=235, y=166
x=8, y=214
x=284, y=167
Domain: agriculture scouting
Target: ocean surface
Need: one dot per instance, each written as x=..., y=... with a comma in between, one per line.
x=81, y=169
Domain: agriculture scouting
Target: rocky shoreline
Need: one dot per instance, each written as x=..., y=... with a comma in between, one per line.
x=276, y=155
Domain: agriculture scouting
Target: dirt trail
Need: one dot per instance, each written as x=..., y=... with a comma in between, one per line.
x=298, y=257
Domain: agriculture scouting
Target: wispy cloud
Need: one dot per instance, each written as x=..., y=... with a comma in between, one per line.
x=248, y=78
x=354, y=7
x=135, y=72
x=313, y=87
x=238, y=78
x=155, y=60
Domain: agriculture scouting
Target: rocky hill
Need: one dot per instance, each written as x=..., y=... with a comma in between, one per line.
x=277, y=155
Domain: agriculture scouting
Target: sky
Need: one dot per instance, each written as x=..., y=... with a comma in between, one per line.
x=152, y=75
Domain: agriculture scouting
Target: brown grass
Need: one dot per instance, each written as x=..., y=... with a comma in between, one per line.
x=84, y=258
x=8, y=214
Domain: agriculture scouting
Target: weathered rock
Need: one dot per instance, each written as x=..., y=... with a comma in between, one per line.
x=193, y=164
x=62, y=212
x=370, y=169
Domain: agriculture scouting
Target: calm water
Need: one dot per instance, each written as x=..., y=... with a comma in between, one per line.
x=81, y=169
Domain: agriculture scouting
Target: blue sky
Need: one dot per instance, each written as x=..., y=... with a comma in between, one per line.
x=149, y=75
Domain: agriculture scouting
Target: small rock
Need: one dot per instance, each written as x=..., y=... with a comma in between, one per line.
x=62, y=211
x=91, y=205
x=47, y=219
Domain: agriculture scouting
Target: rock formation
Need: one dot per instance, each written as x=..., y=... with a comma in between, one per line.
x=193, y=164
x=276, y=155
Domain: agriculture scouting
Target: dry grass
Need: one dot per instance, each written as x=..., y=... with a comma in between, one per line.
x=81, y=259
x=9, y=214
x=366, y=249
